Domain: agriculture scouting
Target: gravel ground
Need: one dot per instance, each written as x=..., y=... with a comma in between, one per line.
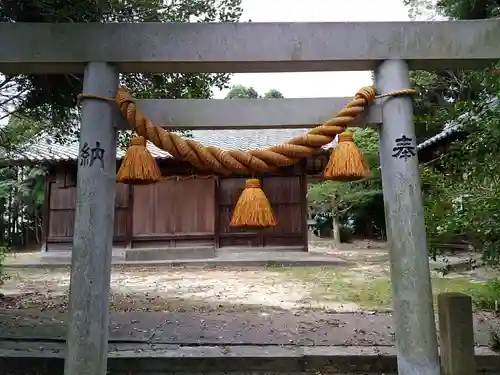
x=162, y=289
x=363, y=286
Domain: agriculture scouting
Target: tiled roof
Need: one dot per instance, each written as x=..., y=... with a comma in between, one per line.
x=455, y=126
x=445, y=133
x=45, y=150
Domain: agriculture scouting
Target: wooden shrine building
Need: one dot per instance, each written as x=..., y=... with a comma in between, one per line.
x=186, y=211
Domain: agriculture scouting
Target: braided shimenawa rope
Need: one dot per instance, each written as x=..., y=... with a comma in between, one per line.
x=245, y=162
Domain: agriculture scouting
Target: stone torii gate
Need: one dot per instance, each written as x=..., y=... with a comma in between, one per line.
x=102, y=51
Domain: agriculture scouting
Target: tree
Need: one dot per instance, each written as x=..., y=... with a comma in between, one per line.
x=21, y=189
x=52, y=99
x=462, y=187
x=242, y=92
x=455, y=9
x=273, y=94
x=357, y=203
x=46, y=104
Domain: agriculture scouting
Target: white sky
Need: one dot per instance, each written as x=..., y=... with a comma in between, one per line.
x=332, y=84
x=294, y=85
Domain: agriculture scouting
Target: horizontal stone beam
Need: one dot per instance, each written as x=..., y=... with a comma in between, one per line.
x=206, y=114
x=246, y=47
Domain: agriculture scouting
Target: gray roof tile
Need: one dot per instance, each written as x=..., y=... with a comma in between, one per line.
x=45, y=150
x=457, y=125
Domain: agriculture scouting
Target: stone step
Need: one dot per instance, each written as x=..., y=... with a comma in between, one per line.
x=170, y=253
x=47, y=358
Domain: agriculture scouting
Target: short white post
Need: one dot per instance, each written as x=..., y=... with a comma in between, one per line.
x=87, y=337
x=415, y=327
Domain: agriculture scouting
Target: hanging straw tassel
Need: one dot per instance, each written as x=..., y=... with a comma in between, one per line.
x=346, y=161
x=253, y=209
x=138, y=167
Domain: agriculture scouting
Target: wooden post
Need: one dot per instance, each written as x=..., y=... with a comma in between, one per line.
x=456, y=333
x=304, y=204
x=130, y=217
x=335, y=221
x=46, y=212
x=217, y=206
x=87, y=337
x=415, y=328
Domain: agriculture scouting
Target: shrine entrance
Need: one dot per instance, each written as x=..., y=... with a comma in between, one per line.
x=103, y=51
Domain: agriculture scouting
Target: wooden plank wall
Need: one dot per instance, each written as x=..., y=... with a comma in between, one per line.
x=285, y=193
x=187, y=210
x=175, y=212
x=61, y=210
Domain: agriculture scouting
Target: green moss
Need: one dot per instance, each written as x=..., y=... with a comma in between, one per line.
x=365, y=288
x=486, y=295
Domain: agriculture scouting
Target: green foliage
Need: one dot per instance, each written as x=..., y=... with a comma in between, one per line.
x=273, y=94
x=453, y=9
x=468, y=9
x=346, y=233
x=242, y=92
x=462, y=195
x=486, y=296
x=360, y=203
x=3, y=253
x=462, y=188
x=51, y=99
x=21, y=191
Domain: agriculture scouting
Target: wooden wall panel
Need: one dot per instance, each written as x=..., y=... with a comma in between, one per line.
x=241, y=240
x=175, y=210
x=162, y=198
x=286, y=195
x=289, y=220
x=61, y=224
x=185, y=212
x=152, y=211
x=122, y=196
x=283, y=189
x=229, y=191
x=120, y=225
x=225, y=215
x=62, y=211
x=195, y=206
x=63, y=198
x=62, y=202
x=143, y=217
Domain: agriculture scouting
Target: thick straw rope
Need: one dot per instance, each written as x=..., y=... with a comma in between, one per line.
x=245, y=162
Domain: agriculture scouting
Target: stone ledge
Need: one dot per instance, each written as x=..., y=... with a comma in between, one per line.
x=47, y=358
x=169, y=253
x=289, y=259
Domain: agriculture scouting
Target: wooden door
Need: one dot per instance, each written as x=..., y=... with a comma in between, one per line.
x=175, y=212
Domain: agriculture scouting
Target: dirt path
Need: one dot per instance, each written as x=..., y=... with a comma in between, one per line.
x=364, y=285
x=163, y=289
x=286, y=306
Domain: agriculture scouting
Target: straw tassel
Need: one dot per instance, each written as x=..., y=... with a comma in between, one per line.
x=253, y=209
x=138, y=167
x=346, y=161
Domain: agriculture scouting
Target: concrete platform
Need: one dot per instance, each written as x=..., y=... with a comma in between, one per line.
x=192, y=343
x=126, y=359
x=279, y=328
x=172, y=253
x=253, y=258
